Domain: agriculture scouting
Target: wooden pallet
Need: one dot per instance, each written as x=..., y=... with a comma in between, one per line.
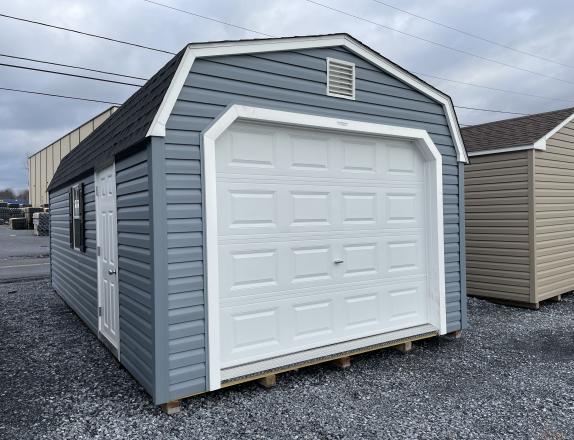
x=268, y=379
x=341, y=360
x=525, y=305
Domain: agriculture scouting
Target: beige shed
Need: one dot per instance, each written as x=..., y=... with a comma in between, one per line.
x=519, y=191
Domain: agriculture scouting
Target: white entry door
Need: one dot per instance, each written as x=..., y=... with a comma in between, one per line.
x=106, y=224
x=322, y=238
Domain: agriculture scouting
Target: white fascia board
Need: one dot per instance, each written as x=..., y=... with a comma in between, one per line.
x=200, y=50
x=540, y=144
x=503, y=150
x=237, y=112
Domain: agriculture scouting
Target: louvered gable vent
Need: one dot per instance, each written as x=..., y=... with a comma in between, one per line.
x=340, y=78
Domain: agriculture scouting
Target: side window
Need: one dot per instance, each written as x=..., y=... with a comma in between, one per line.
x=77, y=240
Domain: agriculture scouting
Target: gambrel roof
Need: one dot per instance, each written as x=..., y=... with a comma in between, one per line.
x=146, y=112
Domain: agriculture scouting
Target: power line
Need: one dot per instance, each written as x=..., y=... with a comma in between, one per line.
x=70, y=66
x=208, y=18
x=59, y=96
x=491, y=110
x=469, y=34
x=422, y=74
x=229, y=24
x=492, y=88
x=54, y=72
x=444, y=46
x=87, y=34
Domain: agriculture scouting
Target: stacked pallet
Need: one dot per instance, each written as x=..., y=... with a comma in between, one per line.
x=7, y=213
x=41, y=223
x=18, y=223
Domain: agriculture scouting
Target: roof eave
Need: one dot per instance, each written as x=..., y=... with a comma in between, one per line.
x=498, y=150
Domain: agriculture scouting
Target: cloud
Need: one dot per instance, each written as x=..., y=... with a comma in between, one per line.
x=28, y=123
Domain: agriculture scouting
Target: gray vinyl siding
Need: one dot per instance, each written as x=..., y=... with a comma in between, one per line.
x=135, y=268
x=74, y=273
x=293, y=81
x=185, y=274
x=554, y=215
x=497, y=197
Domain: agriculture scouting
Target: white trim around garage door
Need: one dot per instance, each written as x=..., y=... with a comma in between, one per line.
x=434, y=196
x=193, y=51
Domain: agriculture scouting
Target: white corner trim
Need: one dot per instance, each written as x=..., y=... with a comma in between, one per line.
x=502, y=150
x=193, y=51
x=436, y=285
x=540, y=144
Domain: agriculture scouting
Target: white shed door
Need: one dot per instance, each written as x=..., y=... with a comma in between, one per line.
x=107, y=240
x=321, y=239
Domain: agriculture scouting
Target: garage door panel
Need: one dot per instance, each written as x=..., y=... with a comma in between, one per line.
x=268, y=207
x=263, y=150
x=299, y=262
x=280, y=326
x=254, y=268
x=321, y=239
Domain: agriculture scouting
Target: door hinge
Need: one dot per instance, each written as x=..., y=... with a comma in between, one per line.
x=99, y=311
x=98, y=251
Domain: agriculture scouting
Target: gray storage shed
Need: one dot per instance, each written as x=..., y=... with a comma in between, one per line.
x=259, y=205
x=519, y=190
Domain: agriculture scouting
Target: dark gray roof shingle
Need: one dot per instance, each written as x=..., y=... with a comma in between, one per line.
x=125, y=128
x=515, y=132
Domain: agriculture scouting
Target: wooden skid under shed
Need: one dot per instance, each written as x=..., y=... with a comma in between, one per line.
x=267, y=379
x=523, y=304
x=340, y=359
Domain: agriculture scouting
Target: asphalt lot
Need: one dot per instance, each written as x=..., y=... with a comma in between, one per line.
x=23, y=255
x=509, y=377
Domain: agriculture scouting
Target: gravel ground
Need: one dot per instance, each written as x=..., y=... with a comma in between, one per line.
x=510, y=376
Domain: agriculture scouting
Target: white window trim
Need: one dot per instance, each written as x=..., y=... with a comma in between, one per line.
x=352, y=65
x=433, y=158
x=75, y=193
x=193, y=51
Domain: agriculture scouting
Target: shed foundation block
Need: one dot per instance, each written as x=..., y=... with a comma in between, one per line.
x=172, y=407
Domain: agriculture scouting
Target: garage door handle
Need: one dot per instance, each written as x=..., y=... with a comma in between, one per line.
x=338, y=261
x=111, y=271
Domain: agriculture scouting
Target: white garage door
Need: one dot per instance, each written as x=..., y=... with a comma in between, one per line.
x=321, y=239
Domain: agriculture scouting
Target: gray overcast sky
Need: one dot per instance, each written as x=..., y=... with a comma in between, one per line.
x=28, y=123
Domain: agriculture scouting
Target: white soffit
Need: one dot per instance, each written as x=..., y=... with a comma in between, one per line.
x=200, y=50
x=500, y=150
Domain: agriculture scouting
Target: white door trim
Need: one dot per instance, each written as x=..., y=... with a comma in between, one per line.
x=434, y=196
x=98, y=258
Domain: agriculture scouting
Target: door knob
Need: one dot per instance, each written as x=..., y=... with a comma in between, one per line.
x=338, y=261
x=111, y=271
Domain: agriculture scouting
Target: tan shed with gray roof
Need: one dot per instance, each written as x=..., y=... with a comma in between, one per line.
x=519, y=191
